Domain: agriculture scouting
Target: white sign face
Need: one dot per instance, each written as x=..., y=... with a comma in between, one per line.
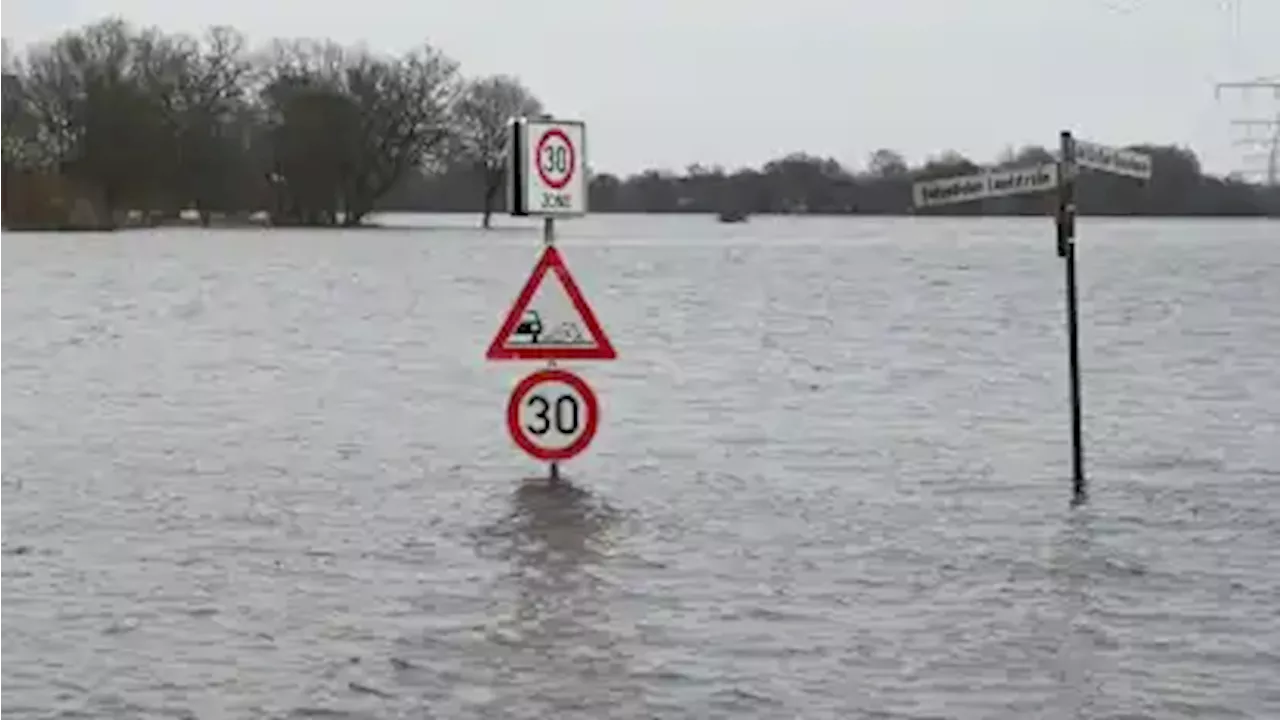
x=1113, y=160
x=555, y=167
x=993, y=183
x=552, y=416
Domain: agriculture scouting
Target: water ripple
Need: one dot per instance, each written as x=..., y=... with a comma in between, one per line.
x=265, y=476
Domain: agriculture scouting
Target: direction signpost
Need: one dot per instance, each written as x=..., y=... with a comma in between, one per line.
x=987, y=184
x=1116, y=161
x=553, y=413
x=1060, y=175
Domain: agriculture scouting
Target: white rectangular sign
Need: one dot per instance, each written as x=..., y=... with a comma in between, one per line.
x=554, y=167
x=992, y=183
x=1113, y=160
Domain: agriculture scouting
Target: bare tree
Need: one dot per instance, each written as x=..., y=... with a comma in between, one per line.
x=316, y=145
x=887, y=164
x=199, y=84
x=481, y=117
x=349, y=125
x=91, y=115
x=10, y=94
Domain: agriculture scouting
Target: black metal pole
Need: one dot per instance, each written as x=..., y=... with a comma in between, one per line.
x=1067, y=251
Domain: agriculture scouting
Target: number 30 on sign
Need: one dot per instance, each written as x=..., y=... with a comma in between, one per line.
x=547, y=167
x=553, y=414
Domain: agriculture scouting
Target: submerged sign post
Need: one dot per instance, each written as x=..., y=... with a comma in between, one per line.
x=552, y=414
x=1061, y=176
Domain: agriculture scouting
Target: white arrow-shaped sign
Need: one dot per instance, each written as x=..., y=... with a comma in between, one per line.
x=1113, y=160
x=988, y=184
x=1020, y=181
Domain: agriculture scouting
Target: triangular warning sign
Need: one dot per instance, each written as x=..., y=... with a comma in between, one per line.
x=551, y=320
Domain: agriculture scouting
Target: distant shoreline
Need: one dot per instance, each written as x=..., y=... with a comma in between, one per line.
x=709, y=217
x=985, y=216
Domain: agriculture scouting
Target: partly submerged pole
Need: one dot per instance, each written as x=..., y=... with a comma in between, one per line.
x=548, y=240
x=1067, y=251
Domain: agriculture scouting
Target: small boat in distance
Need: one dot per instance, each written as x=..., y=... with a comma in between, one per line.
x=733, y=216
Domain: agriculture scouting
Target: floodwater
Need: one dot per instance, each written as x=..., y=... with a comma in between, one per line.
x=265, y=475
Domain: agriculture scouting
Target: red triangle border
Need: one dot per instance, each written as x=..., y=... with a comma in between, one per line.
x=551, y=260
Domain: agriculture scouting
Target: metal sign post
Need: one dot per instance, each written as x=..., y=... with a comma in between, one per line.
x=552, y=414
x=1066, y=231
x=1060, y=176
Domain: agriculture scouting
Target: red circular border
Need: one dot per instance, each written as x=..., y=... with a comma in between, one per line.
x=528, y=384
x=537, y=155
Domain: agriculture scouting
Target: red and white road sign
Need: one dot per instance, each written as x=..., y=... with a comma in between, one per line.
x=551, y=320
x=553, y=414
x=551, y=168
x=556, y=158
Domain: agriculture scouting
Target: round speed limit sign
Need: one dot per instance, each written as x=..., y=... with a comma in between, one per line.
x=556, y=158
x=552, y=414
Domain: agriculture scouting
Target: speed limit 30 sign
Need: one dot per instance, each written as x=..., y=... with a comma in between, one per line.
x=553, y=414
x=547, y=168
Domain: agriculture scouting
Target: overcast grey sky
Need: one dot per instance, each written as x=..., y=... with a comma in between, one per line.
x=664, y=83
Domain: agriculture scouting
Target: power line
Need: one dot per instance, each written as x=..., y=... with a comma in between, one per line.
x=1273, y=85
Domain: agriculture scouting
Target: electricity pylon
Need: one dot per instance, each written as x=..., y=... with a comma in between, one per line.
x=1261, y=83
x=1272, y=142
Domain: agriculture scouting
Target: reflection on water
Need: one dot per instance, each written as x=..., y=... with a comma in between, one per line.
x=1069, y=567
x=557, y=539
x=555, y=536
x=249, y=475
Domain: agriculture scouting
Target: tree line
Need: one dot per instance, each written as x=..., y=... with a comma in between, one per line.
x=310, y=131
x=800, y=183
x=316, y=133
